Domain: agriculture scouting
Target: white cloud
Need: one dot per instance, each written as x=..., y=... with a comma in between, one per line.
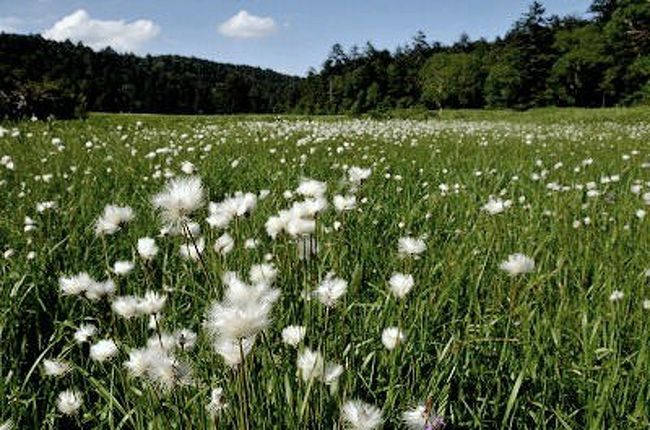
x=120, y=35
x=243, y=25
x=9, y=24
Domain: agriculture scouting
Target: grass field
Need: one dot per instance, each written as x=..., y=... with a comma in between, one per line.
x=186, y=335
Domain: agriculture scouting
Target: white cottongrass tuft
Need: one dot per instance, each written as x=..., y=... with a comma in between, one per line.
x=103, y=350
x=123, y=267
x=231, y=349
x=82, y=283
x=359, y=415
x=55, y=367
x=97, y=290
x=130, y=306
x=518, y=264
x=188, y=168
x=125, y=306
x=263, y=273
x=391, y=337
x=298, y=220
x=69, y=401
x=222, y=213
x=224, y=244
x=496, y=206
x=180, y=198
x=147, y=248
x=332, y=373
x=293, y=334
x=152, y=303
x=356, y=175
x=410, y=247
x=344, y=203
x=112, y=219
x=311, y=188
x=330, y=290
x=416, y=418
x=193, y=250
x=244, y=311
x=310, y=364
x=216, y=403
x=234, y=322
x=156, y=364
x=616, y=296
x=75, y=285
x=84, y=333
x=401, y=284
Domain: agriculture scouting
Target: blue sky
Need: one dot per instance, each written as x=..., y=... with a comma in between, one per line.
x=286, y=35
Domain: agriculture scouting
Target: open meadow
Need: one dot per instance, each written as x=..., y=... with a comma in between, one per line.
x=476, y=270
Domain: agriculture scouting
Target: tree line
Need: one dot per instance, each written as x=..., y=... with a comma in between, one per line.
x=42, y=77
x=602, y=59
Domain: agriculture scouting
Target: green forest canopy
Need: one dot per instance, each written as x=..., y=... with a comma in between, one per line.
x=602, y=60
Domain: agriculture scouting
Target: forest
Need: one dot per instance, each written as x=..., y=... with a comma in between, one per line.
x=42, y=77
x=597, y=60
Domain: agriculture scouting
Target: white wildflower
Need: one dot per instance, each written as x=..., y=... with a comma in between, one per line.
x=293, y=334
x=123, y=267
x=401, y=284
x=330, y=290
x=410, y=247
x=391, y=337
x=103, y=350
x=147, y=248
x=55, y=367
x=518, y=264
x=68, y=402
x=180, y=198
x=359, y=415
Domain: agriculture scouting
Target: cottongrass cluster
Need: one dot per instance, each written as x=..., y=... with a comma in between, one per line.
x=327, y=293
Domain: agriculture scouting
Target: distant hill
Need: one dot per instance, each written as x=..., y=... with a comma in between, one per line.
x=39, y=76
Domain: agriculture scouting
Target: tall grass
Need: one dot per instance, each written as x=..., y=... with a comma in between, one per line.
x=545, y=350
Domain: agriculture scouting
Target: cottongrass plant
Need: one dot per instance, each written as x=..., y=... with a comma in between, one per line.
x=298, y=273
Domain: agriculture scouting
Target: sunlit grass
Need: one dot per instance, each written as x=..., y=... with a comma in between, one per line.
x=547, y=349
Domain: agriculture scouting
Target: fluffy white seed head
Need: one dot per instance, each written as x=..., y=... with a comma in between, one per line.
x=344, y=203
x=415, y=418
x=147, y=248
x=496, y=206
x=75, y=285
x=263, y=274
x=216, y=403
x=330, y=290
x=180, y=198
x=103, y=350
x=231, y=350
x=224, y=244
x=69, y=401
x=410, y=247
x=112, y=219
x=391, y=337
x=84, y=333
x=55, y=367
x=401, y=284
x=293, y=334
x=518, y=264
x=310, y=364
x=359, y=415
x=123, y=267
x=311, y=188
